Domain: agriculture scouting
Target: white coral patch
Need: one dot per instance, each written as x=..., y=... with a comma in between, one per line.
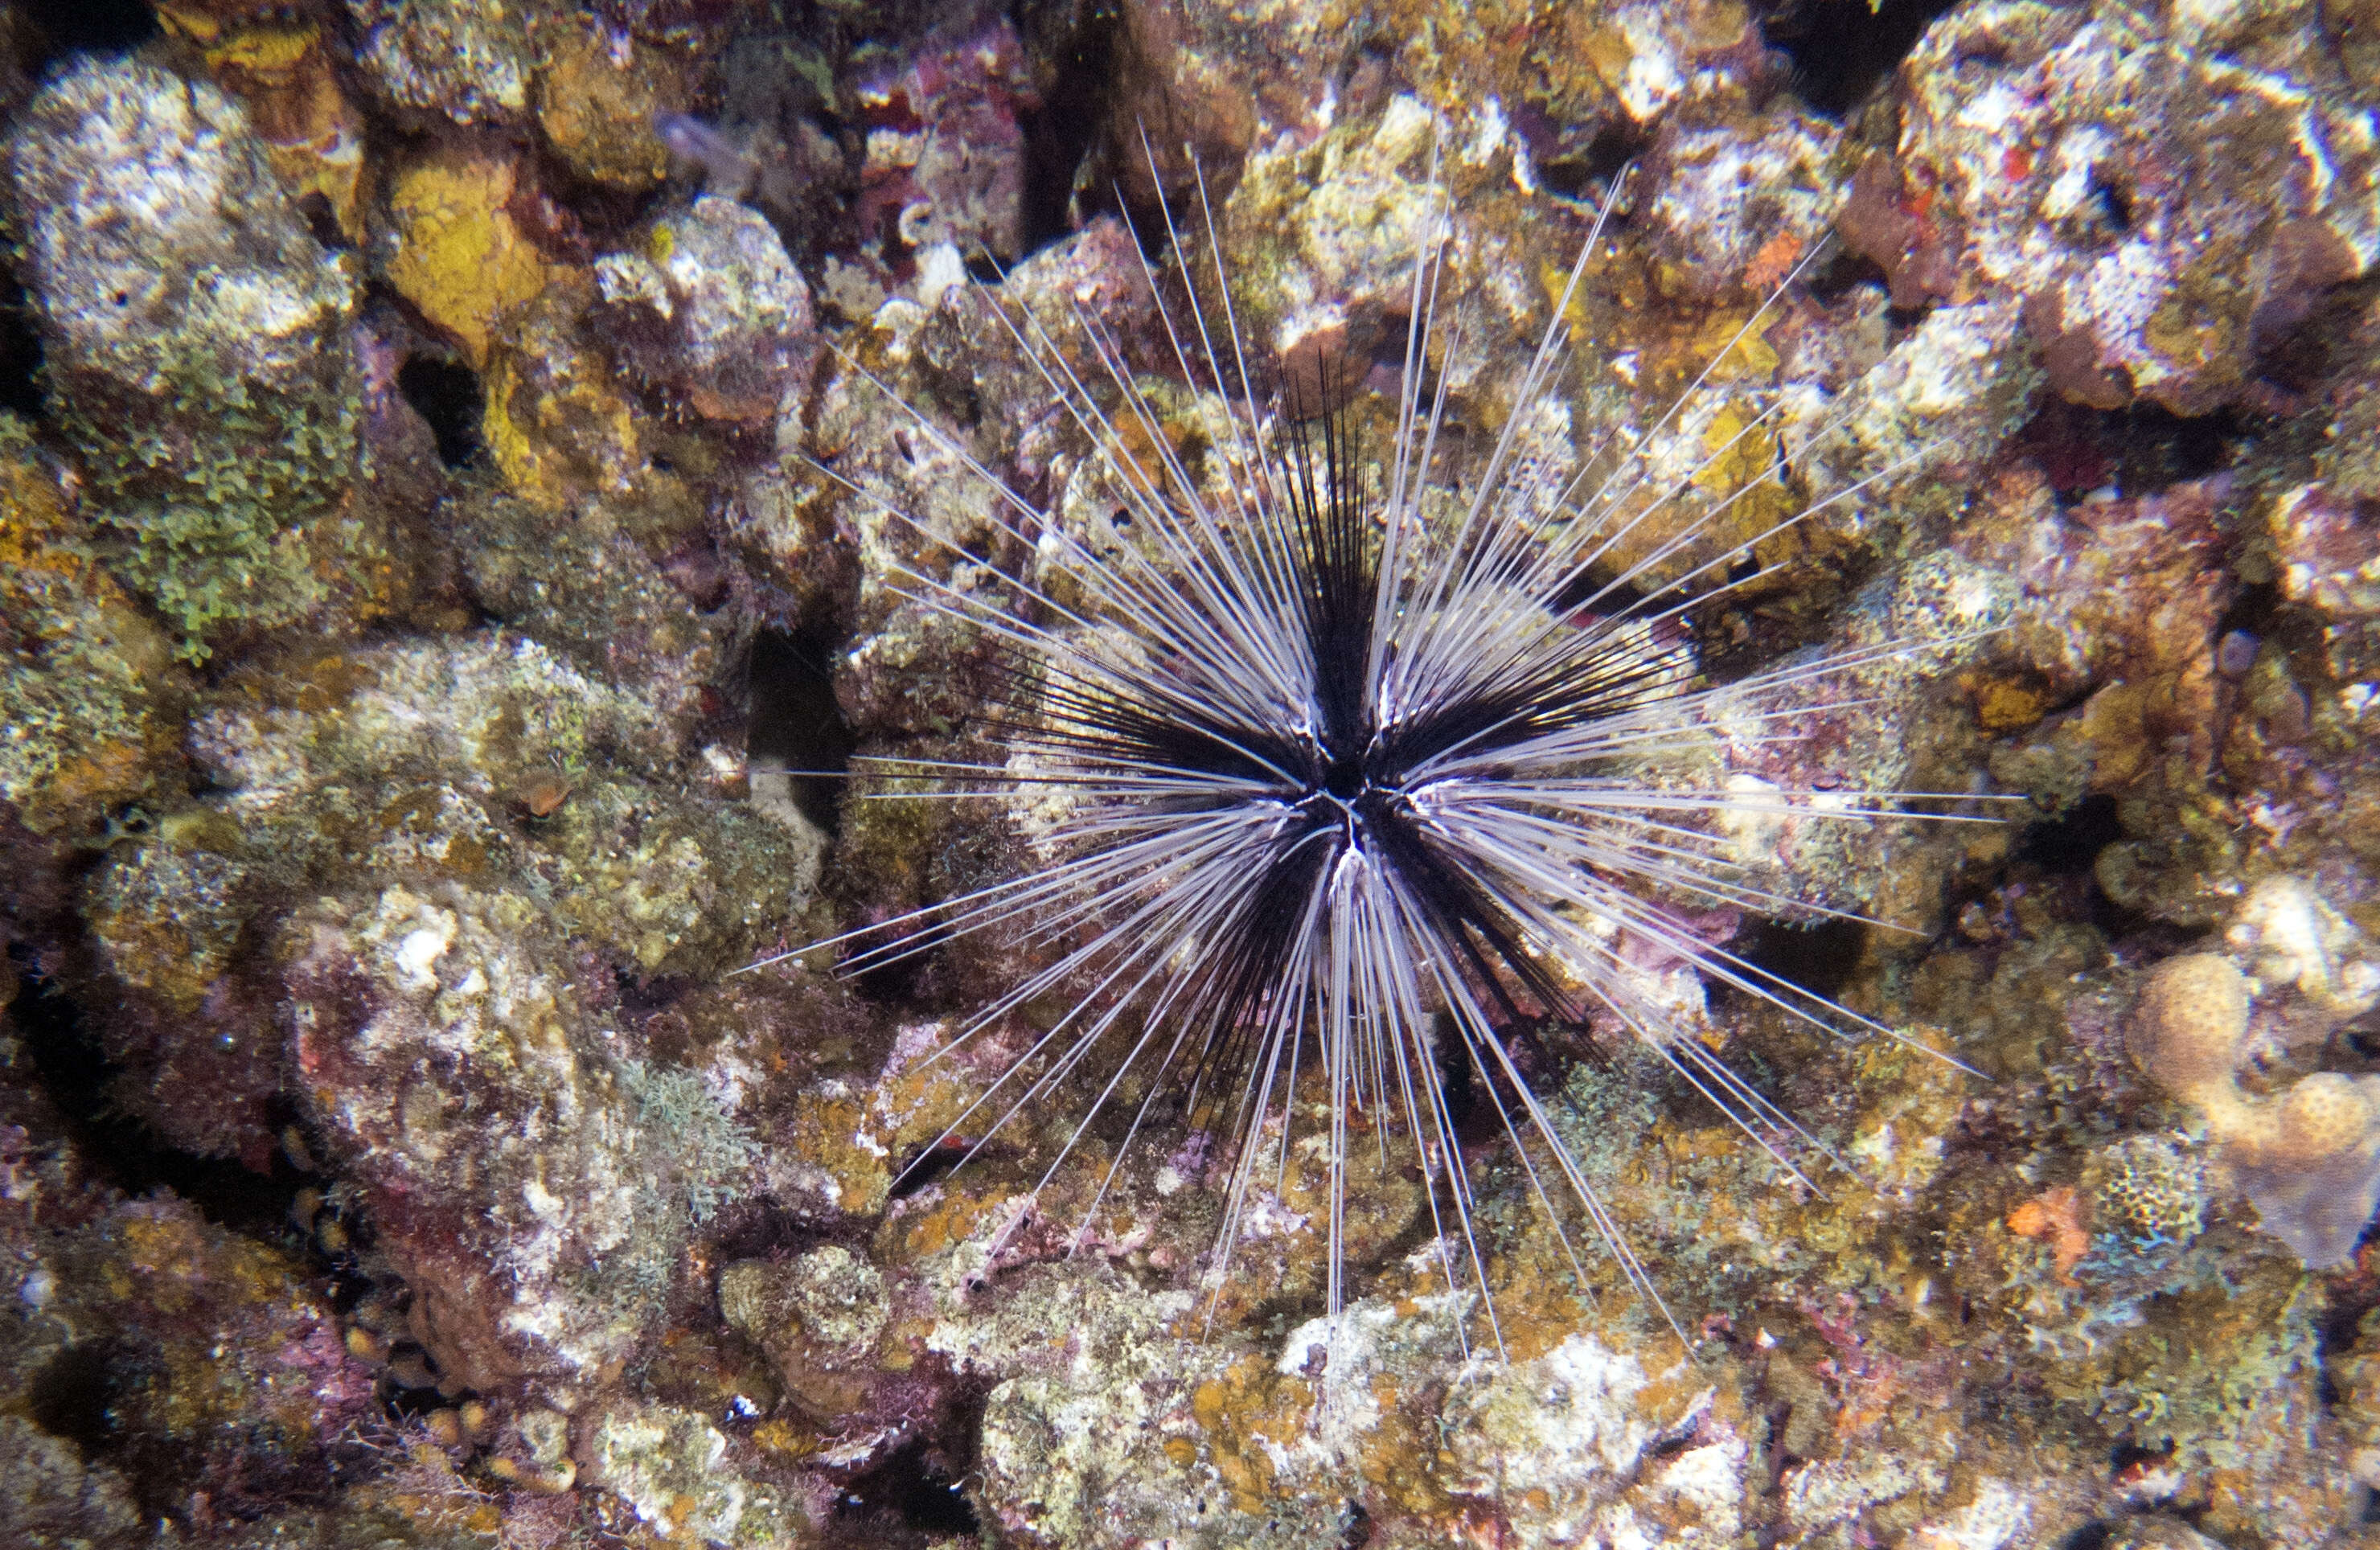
x=419, y=951
x=1652, y=78
x=1998, y=1516
x=1559, y=1423
x=1949, y=354
x=2293, y=937
x=941, y=270
x=1750, y=820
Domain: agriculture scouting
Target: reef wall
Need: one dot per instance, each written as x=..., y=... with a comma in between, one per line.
x=447, y=459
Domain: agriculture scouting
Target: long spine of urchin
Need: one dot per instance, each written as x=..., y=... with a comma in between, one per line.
x=1344, y=758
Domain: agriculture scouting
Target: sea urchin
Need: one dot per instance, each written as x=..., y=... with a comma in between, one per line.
x=1346, y=761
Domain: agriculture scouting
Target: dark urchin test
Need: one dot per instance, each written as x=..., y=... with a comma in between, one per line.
x=1353, y=762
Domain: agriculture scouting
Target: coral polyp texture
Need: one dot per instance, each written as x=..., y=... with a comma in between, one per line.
x=2308, y=1156
x=513, y=514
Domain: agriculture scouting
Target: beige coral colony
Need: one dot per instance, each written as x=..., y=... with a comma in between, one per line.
x=573, y=576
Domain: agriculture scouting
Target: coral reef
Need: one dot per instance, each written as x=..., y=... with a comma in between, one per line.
x=469, y=63
x=193, y=336
x=462, y=258
x=943, y=175
x=665, y=1464
x=535, y=1194
x=91, y=692
x=467, y=475
x=2169, y=196
x=710, y=308
x=2309, y=1156
x=815, y=1316
x=181, y=1362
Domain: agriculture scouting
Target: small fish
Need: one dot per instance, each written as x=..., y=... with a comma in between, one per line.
x=730, y=167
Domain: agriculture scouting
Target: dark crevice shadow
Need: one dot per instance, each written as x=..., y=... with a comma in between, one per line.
x=1843, y=50
x=797, y=724
x=76, y=1075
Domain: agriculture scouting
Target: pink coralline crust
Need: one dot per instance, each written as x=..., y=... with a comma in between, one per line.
x=945, y=154
x=2118, y=592
x=244, y=1378
x=207, y=1080
x=407, y=474
x=718, y=315
x=1714, y=927
x=1867, y=1376
x=450, y=1084
x=342, y=1385
x=433, y=1245
x=2328, y=548
x=1905, y=231
x=2169, y=199
x=45, y=1184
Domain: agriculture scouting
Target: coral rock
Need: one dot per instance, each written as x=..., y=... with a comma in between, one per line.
x=193, y=330
x=2169, y=195
x=53, y=1500
x=224, y=1370
x=945, y=159
x=535, y=1190
x=1916, y=242
x=461, y=257
x=627, y=591
x=2292, y=937
x=2310, y=1158
x=818, y=1316
x=88, y=689
x=2329, y=551
x=712, y=308
x=469, y=62
x=671, y=1467
x=284, y=71
x=596, y=94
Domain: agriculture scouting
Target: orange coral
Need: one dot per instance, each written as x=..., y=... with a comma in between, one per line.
x=1773, y=262
x=2058, y=1218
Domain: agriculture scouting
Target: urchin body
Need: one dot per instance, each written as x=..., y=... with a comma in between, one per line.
x=1353, y=765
